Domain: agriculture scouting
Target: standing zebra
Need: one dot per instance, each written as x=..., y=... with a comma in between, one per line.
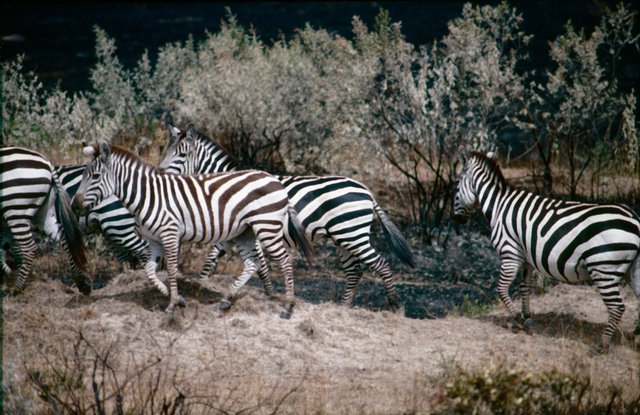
x=115, y=221
x=168, y=208
x=569, y=241
x=31, y=195
x=334, y=206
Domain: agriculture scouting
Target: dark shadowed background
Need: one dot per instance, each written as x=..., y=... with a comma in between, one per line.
x=58, y=39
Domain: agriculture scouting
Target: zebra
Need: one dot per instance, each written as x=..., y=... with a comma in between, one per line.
x=245, y=206
x=567, y=240
x=32, y=196
x=114, y=220
x=336, y=207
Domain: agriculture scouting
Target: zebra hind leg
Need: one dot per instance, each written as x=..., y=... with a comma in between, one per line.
x=379, y=265
x=27, y=247
x=609, y=290
x=525, y=321
x=351, y=266
x=247, y=249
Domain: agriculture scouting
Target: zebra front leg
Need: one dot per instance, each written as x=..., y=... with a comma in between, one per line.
x=171, y=245
x=508, y=271
x=151, y=260
x=609, y=289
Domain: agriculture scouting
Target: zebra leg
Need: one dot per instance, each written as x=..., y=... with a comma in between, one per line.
x=263, y=272
x=247, y=248
x=171, y=246
x=508, y=272
x=274, y=246
x=525, y=291
x=153, y=257
x=351, y=266
x=23, y=237
x=368, y=255
x=211, y=262
x=609, y=290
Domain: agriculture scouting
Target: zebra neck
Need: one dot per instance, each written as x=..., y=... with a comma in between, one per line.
x=491, y=195
x=134, y=184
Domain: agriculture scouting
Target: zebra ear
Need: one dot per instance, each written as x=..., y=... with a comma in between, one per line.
x=105, y=152
x=174, y=133
x=191, y=132
x=463, y=154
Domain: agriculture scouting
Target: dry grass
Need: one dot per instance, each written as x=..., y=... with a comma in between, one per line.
x=62, y=352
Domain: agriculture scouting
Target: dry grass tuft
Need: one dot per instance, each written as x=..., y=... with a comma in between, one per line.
x=118, y=351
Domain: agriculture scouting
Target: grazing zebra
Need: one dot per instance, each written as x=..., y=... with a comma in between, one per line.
x=31, y=195
x=570, y=241
x=169, y=208
x=115, y=221
x=333, y=206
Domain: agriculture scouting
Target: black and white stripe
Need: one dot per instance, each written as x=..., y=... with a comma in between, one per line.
x=169, y=208
x=32, y=196
x=569, y=241
x=116, y=223
x=336, y=207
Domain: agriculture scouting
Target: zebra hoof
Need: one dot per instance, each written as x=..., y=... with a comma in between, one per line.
x=286, y=314
x=225, y=305
x=84, y=288
x=169, y=310
x=599, y=349
x=395, y=304
x=181, y=301
x=528, y=325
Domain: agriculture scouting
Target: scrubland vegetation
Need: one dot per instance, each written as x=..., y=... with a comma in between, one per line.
x=376, y=108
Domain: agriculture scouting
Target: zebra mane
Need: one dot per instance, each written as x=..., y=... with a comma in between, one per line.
x=492, y=165
x=131, y=157
x=211, y=143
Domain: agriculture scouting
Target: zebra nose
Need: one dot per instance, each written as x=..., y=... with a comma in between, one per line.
x=78, y=204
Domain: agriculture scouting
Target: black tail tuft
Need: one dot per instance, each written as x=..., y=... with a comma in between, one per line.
x=70, y=227
x=299, y=237
x=394, y=237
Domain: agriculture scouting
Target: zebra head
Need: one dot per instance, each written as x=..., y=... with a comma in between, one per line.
x=466, y=199
x=177, y=156
x=97, y=180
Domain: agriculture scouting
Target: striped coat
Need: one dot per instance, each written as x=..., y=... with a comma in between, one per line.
x=32, y=197
x=170, y=209
x=569, y=241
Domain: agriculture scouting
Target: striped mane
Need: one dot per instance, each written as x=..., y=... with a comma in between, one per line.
x=129, y=158
x=212, y=144
x=492, y=165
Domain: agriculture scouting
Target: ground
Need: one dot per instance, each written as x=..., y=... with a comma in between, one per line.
x=61, y=349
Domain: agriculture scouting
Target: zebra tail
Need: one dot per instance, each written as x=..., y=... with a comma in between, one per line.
x=298, y=235
x=70, y=226
x=394, y=237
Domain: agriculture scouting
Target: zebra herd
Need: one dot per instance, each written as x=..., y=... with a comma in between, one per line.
x=197, y=194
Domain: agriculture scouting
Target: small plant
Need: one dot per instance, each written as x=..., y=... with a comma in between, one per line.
x=502, y=390
x=471, y=307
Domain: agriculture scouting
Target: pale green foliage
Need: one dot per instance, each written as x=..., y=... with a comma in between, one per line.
x=573, y=116
x=374, y=107
x=461, y=91
x=37, y=118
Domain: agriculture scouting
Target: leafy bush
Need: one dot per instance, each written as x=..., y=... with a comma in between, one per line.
x=373, y=107
x=501, y=390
